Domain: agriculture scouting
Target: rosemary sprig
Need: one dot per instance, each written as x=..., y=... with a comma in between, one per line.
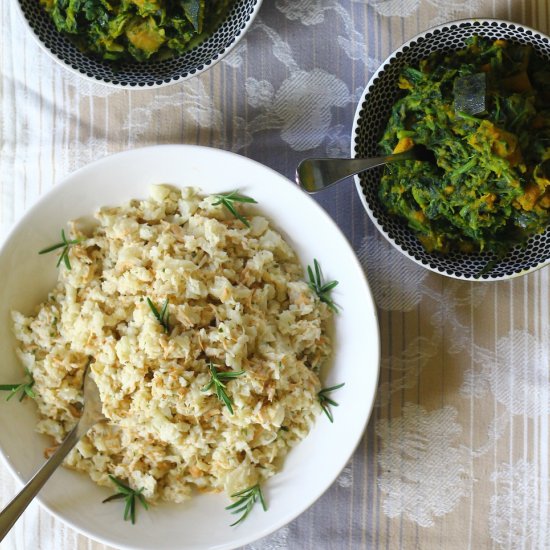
x=163, y=317
x=246, y=500
x=129, y=495
x=319, y=287
x=227, y=200
x=66, y=245
x=217, y=379
x=326, y=401
x=24, y=387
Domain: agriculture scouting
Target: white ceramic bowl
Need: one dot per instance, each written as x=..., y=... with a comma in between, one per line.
x=311, y=467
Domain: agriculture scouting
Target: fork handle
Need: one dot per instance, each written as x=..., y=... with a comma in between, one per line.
x=314, y=174
x=17, y=506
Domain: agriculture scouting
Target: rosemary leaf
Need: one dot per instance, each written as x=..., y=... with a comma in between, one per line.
x=318, y=277
x=217, y=379
x=319, y=287
x=128, y=510
x=246, y=500
x=129, y=495
x=65, y=244
x=227, y=200
x=122, y=487
x=65, y=257
x=143, y=501
x=162, y=317
x=234, y=196
x=326, y=402
x=327, y=287
x=24, y=387
x=116, y=496
x=52, y=248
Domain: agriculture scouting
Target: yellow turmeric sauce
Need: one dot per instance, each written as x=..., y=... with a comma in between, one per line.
x=489, y=188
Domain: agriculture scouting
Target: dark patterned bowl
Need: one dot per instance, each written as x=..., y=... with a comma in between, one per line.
x=370, y=121
x=147, y=74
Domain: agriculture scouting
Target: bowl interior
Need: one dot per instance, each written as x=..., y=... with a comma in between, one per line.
x=371, y=118
x=311, y=466
x=146, y=74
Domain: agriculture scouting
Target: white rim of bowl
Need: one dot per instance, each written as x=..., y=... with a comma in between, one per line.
x=355, y=126
x=65, y=181
x=146, y=86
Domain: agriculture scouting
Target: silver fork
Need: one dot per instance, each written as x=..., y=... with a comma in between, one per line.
x=315, y=174
x=91, y=415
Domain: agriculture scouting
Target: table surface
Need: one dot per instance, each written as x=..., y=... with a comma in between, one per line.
x=456, y=452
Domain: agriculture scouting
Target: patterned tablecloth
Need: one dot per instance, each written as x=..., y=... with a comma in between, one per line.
x=456, y=452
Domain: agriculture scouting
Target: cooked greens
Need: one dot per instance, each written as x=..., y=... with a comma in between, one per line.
x=489, y=188
x=136, y=29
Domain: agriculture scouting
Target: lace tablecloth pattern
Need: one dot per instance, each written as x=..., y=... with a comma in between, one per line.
x=456, y=452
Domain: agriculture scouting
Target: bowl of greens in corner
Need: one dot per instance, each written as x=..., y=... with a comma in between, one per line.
x=138, y=43
x=475, y=93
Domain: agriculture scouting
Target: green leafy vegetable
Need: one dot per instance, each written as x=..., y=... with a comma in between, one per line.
x=326, y=402
x=227, y=200
x=217, y=379
x=320, y=288
x=65, y=244
x=163, y=317
x=246, y=500
x=486, y=191
x=130, y=496
x=194, y=11
x=136, y=29
x=24, y=387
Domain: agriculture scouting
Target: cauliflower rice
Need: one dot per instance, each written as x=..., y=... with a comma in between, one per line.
x=237, y=298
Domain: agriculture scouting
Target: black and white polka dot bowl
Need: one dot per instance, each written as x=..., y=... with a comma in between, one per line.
x=151, y=74
x=371, y=117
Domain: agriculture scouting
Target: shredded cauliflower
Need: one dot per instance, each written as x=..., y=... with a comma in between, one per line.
x=236, y=299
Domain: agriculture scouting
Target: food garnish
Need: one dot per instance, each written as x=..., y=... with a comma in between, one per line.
x=246, y=500
x=326, y=402
x=322, y=289
x=66, y=245
x=227, y=200
x=129, y=495
x=24, y=387
x=217, y=379
x=163, y=317
x=487, y=190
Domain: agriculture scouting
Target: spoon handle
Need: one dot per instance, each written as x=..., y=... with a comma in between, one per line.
x=314, y=174
x=16, y=507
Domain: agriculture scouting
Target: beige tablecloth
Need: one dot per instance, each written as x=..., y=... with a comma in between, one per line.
x=456, y=453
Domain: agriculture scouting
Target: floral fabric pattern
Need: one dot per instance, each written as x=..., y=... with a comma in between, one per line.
x=456, y=452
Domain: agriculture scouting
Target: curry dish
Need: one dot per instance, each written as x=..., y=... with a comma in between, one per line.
x=136, y=29
x=489, y=186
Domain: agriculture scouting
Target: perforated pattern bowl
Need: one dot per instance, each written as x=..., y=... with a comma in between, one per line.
x=147, y=74
x=370, y=121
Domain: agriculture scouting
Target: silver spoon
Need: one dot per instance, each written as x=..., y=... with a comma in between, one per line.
x=91, y=415
x=316, y=174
